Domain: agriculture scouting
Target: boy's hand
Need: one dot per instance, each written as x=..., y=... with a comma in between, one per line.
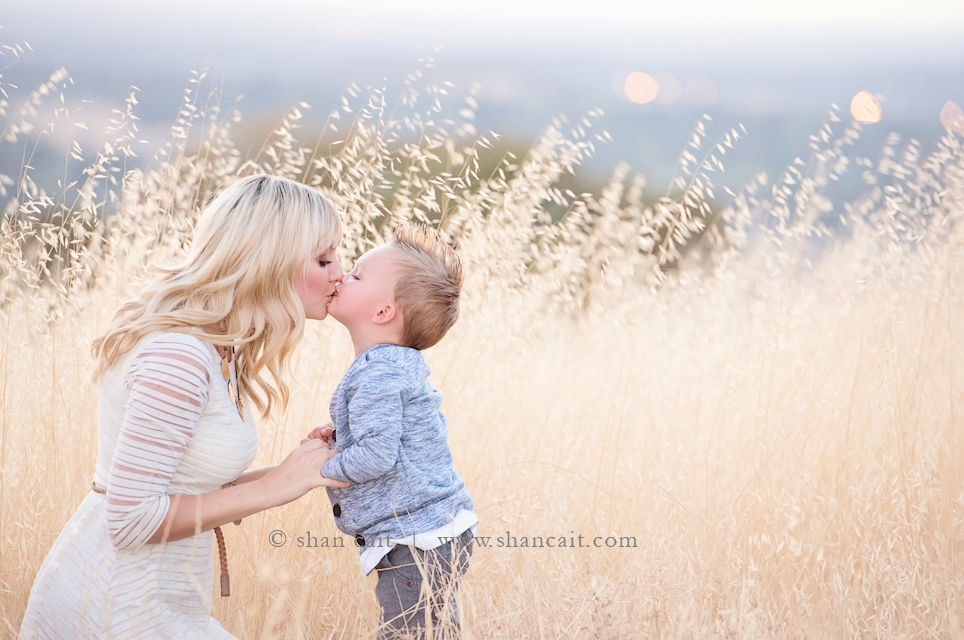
x=323, y=433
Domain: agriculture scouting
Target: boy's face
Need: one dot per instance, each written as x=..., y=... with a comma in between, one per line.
x=367, y=289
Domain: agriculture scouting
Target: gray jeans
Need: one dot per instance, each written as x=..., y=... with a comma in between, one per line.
x=417, y=588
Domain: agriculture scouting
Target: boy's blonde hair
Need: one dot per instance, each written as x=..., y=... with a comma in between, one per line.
x=428, y=287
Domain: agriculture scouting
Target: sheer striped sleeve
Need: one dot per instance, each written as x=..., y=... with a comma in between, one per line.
x=168, y=383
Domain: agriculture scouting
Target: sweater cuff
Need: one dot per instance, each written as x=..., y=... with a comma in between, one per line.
x=333, y=470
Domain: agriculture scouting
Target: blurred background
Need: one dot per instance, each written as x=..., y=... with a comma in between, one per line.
x=652, y=68
x=763, y=388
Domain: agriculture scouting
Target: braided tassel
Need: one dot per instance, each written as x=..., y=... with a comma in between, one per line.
x=223, y=557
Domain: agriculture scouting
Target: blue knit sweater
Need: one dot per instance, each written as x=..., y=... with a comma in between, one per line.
x=393, y=447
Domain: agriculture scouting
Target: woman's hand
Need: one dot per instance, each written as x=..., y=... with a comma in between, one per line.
x=300, y=472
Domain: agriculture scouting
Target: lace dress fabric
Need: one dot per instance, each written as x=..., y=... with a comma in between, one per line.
x=167, y=426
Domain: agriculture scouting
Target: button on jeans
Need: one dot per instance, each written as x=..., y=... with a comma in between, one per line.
x=413, y=583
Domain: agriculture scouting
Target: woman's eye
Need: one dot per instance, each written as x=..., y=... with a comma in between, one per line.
x=324, y=263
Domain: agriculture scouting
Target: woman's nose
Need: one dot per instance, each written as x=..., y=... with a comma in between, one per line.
x=336, y=273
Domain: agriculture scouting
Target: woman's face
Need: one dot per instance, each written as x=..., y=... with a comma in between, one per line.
x=315, y=283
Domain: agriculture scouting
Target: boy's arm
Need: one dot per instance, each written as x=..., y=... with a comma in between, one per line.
x=375, y=420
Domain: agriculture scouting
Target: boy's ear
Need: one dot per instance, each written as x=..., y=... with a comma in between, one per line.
x=385, y=314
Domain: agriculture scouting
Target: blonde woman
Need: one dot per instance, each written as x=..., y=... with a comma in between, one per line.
x=180, y=378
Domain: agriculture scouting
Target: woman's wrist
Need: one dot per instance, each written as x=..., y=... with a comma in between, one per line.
x=251, y=476
x=270, y=493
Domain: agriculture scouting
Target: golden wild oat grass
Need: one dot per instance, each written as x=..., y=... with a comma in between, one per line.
x=763, y=399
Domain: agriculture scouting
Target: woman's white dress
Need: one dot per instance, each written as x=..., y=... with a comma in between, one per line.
x=167, y=426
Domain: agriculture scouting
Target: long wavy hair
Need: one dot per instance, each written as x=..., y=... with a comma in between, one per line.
x=239, y=276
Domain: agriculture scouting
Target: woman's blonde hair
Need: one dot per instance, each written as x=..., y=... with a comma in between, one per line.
x=239, y=275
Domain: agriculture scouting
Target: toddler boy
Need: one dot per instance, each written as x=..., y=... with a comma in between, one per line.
x=407, y=508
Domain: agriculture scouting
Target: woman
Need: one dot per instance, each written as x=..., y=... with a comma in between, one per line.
x=179, y=372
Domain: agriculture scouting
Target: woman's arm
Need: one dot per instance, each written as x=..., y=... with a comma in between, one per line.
x=298, y=474
x=318, y=433
x=168, y=383
x=252, y=475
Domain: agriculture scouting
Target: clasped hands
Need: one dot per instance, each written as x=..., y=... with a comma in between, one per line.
x=301, y=470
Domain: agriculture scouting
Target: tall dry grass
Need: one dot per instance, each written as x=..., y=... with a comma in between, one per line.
x=763, y=395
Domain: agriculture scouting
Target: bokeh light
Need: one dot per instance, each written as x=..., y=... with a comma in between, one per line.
x=640, y=87
x=952, y=117
x=865, y=108
x=701, y=91
x=669, y=88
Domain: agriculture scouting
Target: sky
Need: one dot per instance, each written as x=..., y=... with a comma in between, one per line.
x=774, y=66
x=599, y=21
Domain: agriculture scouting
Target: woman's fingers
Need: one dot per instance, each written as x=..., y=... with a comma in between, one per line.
x=312, y=445
x=316, y=454
x=320, y=457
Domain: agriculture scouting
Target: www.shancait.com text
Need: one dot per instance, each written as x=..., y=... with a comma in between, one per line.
x=508, y=540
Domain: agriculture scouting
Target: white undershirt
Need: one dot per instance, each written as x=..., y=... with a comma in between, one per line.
x=463, y=521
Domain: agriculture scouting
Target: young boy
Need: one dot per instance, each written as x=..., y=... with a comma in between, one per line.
x=407, y=508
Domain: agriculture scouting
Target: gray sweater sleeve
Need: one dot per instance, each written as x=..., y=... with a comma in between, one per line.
x=375, y=420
